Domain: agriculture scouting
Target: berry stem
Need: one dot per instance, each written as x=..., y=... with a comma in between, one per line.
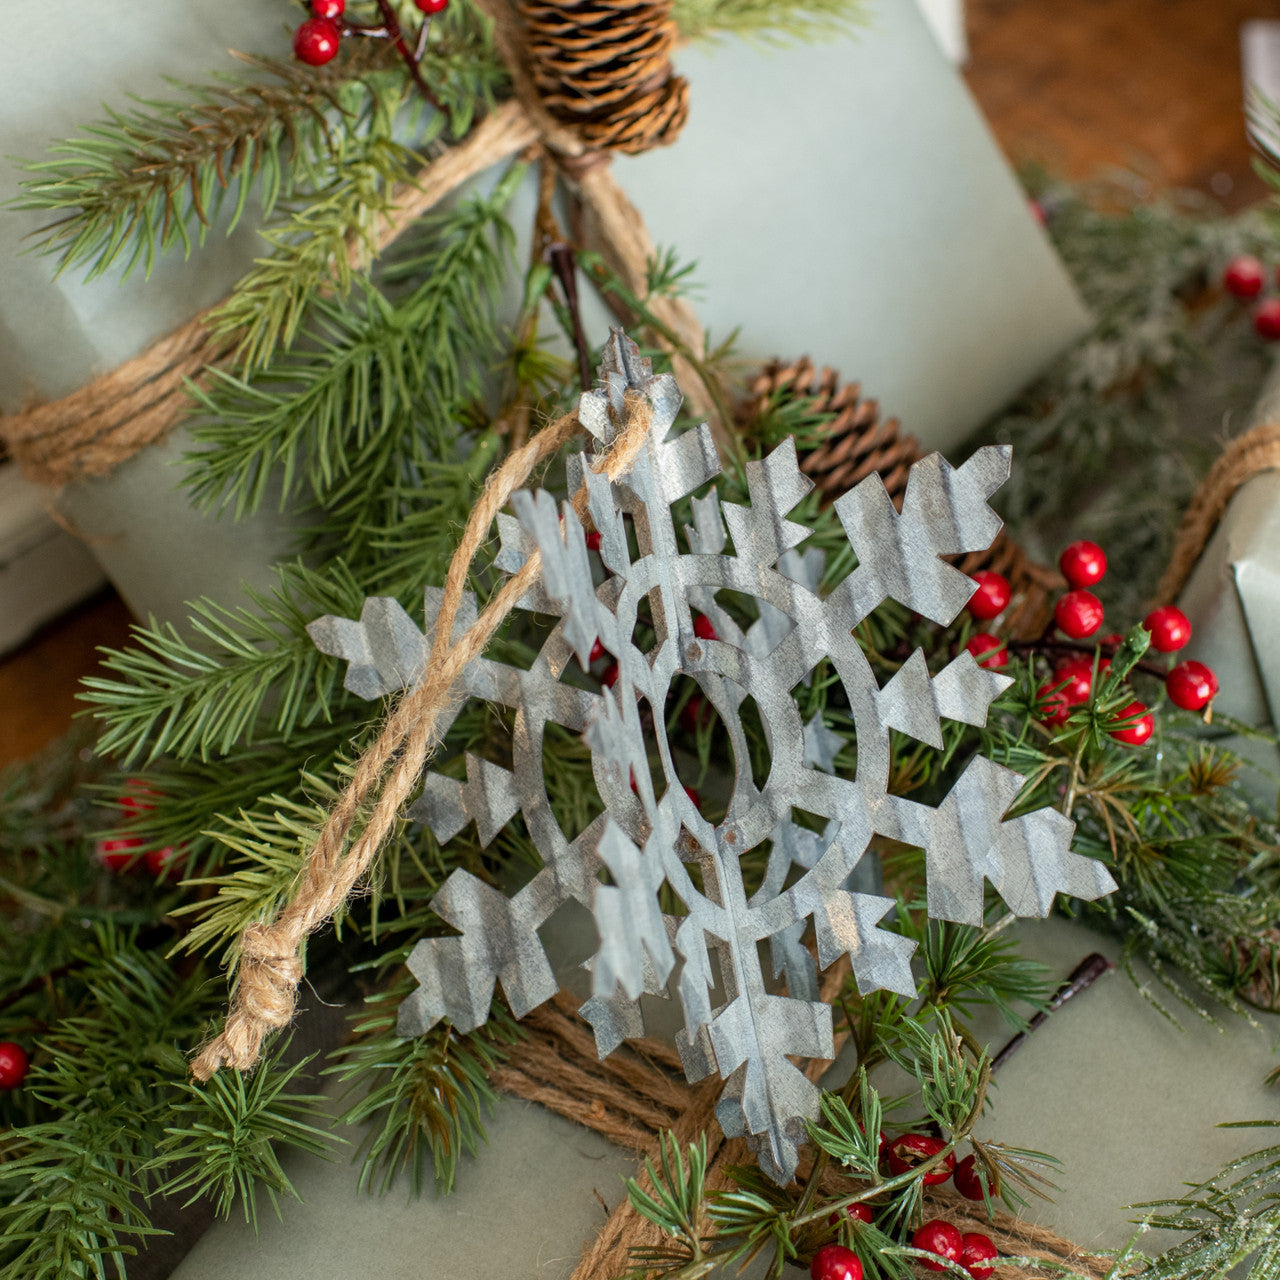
x=396, y=35
x=1081, y=978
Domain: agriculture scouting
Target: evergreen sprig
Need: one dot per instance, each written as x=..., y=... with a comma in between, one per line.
x=157, y=177
x=771, y=21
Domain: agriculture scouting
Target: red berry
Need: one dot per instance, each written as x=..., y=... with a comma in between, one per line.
x=1244, y=276
x=1074, y=680
x=703, y=627
x=694, y=714
x=121, y=853
x=1170, y=628
x=1038, y=211
x=1083, y=564
x=1078, y=613
x=977, y=1250
x=992, y=595
x=914, y=1149
x=1191, y=685
x=1135, y=734
x=1266, y=319
x=694, y=797
x=431, y=6
x=597, y=651
x=331, y=9
x=316, y=41
x=860, y=1212
x=941, y=1238
x=593, y=539
x=835, y=1262
x=1054, y=710
x=609, y=676
x=988, y=650
x=968, y=1180
x=13, y=1064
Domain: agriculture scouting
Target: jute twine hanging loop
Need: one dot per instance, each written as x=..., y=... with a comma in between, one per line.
x=628, y=101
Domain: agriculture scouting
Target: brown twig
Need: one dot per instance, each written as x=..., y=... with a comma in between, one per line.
x=1081, y=978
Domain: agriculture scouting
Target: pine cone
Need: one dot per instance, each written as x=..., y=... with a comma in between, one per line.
x=605, y=69
x=856, y=442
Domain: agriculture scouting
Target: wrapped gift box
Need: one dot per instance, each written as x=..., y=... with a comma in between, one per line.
x=846, y=200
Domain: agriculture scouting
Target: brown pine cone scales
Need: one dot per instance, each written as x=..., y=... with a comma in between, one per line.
x=857, y=442
x=605, y=69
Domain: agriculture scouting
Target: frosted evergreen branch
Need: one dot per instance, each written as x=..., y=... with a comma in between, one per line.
x=776, y=22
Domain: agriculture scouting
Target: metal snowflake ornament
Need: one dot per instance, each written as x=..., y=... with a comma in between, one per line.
x=737, y=1022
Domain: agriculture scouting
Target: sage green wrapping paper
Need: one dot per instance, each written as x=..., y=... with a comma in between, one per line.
x=845, y=200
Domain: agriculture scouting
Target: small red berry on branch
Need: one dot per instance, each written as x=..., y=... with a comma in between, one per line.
x=1266, y=320
x=940, y=1238
x=13, y=1064
x=1078, y=614
x=992, y=596
x=430, y=7
x=976, y=1252
x=1191, y=685
x=316, y=41
x=330, y=9
x=913, y=1149
x=593, y=539
x=1244, y=276
x=1083, y=564
x=1136, y=733
x=835, y=1262
x=987, y=650
x=1170, y=628
x=694, y=797
x=597, y=651
x=121, y=853
x=609, y=676
x=969, y=1179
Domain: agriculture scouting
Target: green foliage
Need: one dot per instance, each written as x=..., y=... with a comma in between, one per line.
x=156, y=177
x=201, y=696
x=1110, y=443
x=772, y=21
x=227, y=1136
x=373, y=398
x=1231, y=1221
x=422, y=1099
x=755, y=1219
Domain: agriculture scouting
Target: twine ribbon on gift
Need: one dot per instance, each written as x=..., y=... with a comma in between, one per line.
x=1249, y=455
x=630, y=103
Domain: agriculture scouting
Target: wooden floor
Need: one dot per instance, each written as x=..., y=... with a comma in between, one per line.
x=1078, y=85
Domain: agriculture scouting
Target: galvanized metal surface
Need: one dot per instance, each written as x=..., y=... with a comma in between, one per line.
x=651, y=831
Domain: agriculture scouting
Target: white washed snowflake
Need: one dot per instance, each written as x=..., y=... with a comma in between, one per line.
x=651, y=831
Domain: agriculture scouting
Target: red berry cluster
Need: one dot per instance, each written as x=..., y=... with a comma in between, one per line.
x=316, y=41
x=1245, y=278
x=13, y=1064
x=1078, y=614
x=121, y=852
x=973, y=1251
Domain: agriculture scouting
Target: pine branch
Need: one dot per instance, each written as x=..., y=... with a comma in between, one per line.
x=374, y=394
x=777, y=22
x=187, y=699
x=423, y=1098
x=150, y=179
x=228, y=1135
